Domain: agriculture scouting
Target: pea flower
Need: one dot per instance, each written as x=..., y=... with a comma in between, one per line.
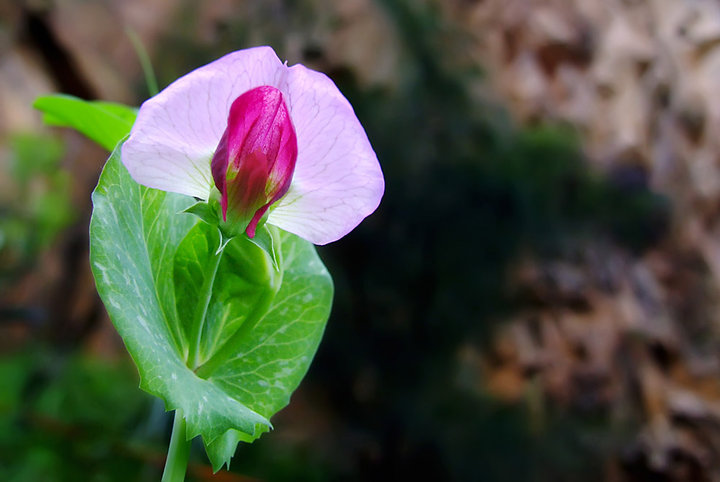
x=276, y=141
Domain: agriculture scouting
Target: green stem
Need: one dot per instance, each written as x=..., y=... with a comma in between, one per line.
x=145, y=63
x=199, y=322
x=178, y=452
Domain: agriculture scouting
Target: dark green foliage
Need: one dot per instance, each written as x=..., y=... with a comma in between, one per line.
x=32, y=217
x=75, y=418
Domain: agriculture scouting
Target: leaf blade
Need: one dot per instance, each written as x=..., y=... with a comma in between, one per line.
x=106, y=123
x=148, y=257
x=126, y=273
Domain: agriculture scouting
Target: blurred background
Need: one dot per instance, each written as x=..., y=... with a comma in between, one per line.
x=536, y=299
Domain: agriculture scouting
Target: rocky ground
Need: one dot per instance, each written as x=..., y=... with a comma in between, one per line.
x=639, y=83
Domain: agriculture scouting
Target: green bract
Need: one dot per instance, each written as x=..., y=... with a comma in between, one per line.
x=222, y=337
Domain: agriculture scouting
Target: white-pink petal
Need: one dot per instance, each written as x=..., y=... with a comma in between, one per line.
x=337, y=180
x=176, y=132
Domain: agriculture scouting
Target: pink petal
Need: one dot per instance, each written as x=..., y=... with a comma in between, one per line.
x=176, y=132
x=337, y=180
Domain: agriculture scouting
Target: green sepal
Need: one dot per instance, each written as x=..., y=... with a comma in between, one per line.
x=205, y=212
x=265, y=239
x=265, y=235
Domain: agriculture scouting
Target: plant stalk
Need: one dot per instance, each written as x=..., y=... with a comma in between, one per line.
x=178, y=452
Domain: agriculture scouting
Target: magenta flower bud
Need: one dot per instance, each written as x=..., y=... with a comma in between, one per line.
x=254, y=162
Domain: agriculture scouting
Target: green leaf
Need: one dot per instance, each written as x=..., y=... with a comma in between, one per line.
x=225, y=337
x=106, y=123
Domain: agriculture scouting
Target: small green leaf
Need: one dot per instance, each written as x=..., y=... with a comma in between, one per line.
x=106, y=123
x=205, y=212
x=225, y=337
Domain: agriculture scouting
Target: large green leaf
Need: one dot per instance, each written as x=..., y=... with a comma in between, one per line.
x=226, y=338
x=106, y=123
